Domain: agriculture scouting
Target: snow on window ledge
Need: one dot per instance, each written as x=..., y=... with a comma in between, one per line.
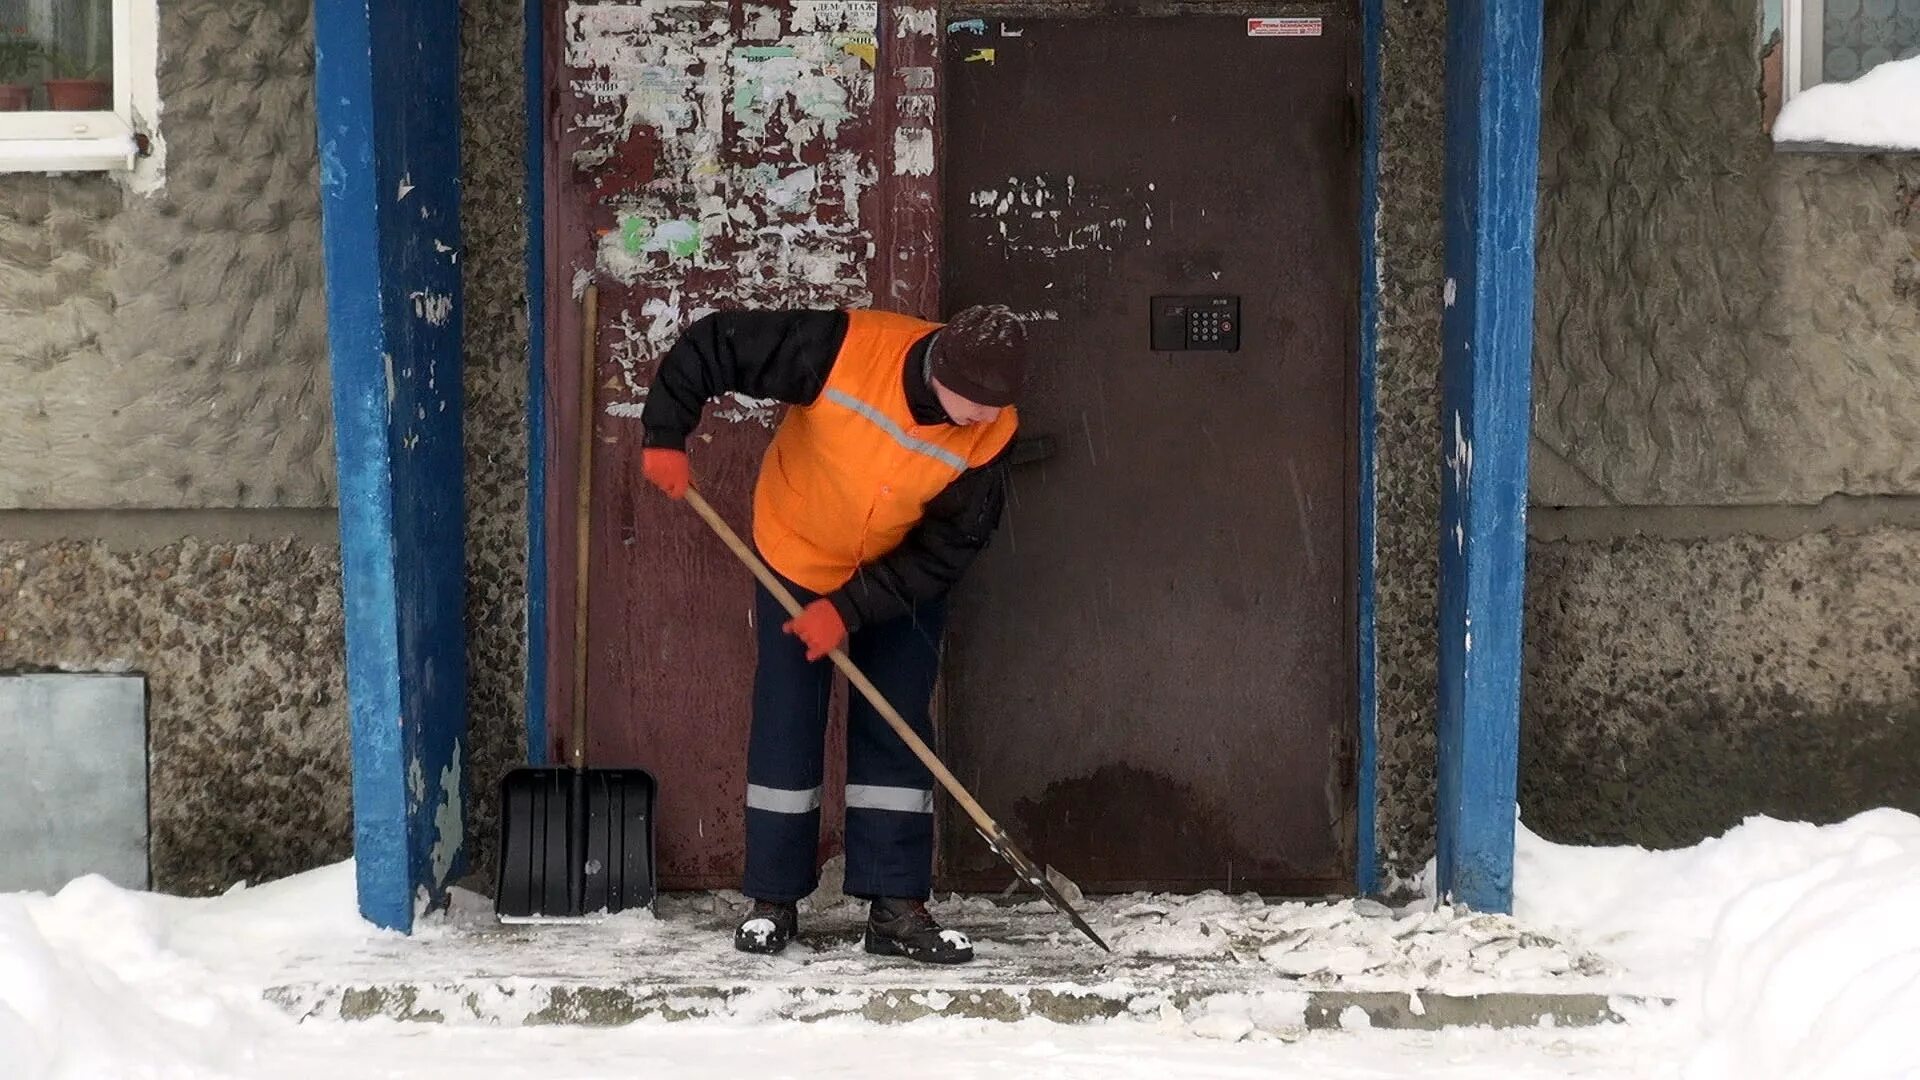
x=1879, y=111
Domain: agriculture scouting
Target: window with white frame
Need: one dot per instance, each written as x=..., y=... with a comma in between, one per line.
x=1836, y=41
x=78, y=86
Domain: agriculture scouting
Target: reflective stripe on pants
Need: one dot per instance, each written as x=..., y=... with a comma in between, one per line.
x=889, y=824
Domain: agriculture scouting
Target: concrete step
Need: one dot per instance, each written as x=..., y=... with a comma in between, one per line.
x=1214, y=962
x=1275, y=1010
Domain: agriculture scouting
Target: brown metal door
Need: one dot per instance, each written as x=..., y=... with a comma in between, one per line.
x=704, y=156
x=1150, y=673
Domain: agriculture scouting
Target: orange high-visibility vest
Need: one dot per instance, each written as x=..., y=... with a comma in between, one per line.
x=848, y=476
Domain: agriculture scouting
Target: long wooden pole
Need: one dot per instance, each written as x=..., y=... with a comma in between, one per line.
x=583, y=519
x=577, y=816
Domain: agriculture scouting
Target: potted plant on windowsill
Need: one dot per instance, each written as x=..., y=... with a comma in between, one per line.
x=19, y=57
x=78, y=85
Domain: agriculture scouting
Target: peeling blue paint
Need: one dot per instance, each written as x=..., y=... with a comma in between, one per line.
x=1366, y=829
x=536, y=706
x=387, y=80
x=1491, y=186
x=967, y=26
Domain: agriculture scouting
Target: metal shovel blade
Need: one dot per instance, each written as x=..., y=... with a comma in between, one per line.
x=1037, y=878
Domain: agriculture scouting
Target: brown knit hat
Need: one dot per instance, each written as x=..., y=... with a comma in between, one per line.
x=981, y=354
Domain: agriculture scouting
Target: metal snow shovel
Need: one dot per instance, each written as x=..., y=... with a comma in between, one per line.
x=995, y=836
x=576, y=841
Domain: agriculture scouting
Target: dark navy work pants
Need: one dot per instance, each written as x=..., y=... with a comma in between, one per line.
x=889, y=793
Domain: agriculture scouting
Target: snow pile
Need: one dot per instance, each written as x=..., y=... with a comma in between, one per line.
x=1352, y=943
x=96, y=981
x=1816, y=973
x=1796, y=947
x=1653, y=912
x=1880, y=109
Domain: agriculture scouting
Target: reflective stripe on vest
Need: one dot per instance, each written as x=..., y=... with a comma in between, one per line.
x=849, y=476
x=894, y=431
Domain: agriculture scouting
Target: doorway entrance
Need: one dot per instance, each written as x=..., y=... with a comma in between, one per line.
x=1151, y=671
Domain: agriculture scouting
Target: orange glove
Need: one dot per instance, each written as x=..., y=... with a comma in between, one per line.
x=667, y=470
x=820, y=628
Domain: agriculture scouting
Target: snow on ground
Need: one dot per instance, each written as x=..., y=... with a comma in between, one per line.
x=1794, y=950
x=1880, y=108
x=96, y=982
x=1354, y=944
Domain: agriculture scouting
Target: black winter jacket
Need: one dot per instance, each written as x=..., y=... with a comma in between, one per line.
x=786, y=356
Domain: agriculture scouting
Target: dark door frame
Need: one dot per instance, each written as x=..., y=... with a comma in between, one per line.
x=1367, y=876
x=1494, y=51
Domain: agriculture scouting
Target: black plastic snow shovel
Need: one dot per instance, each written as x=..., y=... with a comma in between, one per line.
x=576, y=842
x=990, y=831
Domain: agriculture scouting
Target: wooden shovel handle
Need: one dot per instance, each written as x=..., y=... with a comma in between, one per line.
x=583, y=518
x=855, y=676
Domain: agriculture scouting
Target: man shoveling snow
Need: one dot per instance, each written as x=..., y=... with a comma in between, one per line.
x=883, y=483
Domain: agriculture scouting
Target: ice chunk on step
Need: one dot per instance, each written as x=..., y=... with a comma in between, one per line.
x=832, y=890
x=1313, y=917
x=1486, y=928
x=1339, y=961
x=1172, y=939
x=934, y=999
x=1211, y=902
x=1410, y=926
x=1532, y=960
x=1355, y=1018
x=1228, y=1018
x=1280, y=1012
x=1065, y=886
x=1147, y=1004
x=1371, y=909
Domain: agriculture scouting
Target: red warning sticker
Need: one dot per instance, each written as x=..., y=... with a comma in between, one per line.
x=1283, y=27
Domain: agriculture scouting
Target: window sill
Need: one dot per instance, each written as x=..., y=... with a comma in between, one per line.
x=1844, y=149
x=112, y=153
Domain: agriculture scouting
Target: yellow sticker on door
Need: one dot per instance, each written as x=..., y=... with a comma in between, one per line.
x=1283, y=27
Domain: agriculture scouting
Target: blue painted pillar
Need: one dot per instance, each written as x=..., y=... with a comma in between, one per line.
x=387, y=103
x=534, y=57
x=1492, y=181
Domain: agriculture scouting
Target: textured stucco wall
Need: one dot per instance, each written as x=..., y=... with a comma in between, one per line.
x=1674, y=687
x=1718, y=322
x=240, y=643
x=170, y=350
x=492, y=82
x=1724, y=331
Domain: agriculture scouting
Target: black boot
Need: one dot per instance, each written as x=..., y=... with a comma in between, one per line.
x=767, y=928
x=906, y=928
